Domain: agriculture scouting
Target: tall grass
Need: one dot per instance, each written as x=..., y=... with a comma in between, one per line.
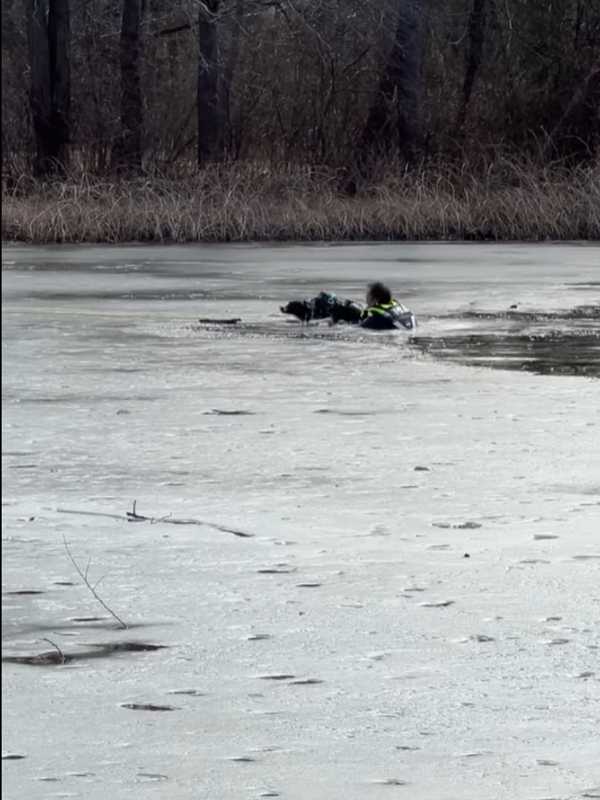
x=506, y=200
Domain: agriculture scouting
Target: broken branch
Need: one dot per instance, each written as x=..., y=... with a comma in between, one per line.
x=83, y=575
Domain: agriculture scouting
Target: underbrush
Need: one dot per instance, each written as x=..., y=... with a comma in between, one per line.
x=505, y=200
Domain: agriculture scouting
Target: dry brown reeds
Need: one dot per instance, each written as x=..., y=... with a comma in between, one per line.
x=505, y=200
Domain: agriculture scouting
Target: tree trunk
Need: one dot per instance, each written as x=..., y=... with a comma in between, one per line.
x=476, y=30
x=59, y=46
x=393, y=123
x=210, y=139
x=127, y=153
x=227, y=76
x=49, y=36
x=39, y=96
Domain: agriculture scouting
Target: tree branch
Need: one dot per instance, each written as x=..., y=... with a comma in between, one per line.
x=84, y=578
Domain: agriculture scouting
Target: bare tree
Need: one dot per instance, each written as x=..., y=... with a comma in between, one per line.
x=127, y=153
x=228, y=72
x=328, y=81
x=393, y=123
x=209, y=110
x=49, y=38
x=476, y=31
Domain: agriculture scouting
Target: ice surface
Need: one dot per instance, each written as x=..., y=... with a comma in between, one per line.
x=349, y=648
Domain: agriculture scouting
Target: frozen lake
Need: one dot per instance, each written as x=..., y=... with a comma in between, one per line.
x=415, y=609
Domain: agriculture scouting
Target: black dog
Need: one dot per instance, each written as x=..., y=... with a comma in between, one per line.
x=320, y=307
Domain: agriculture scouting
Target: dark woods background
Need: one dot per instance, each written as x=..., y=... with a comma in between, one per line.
x=125, y=86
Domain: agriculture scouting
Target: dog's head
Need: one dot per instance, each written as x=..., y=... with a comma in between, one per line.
x=299, y=308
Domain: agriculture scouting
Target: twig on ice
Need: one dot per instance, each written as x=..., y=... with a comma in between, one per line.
x=84, y=577
x=133, y=516
x=57, y=648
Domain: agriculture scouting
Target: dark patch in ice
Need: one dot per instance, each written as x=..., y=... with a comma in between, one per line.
x=542, y=536
x=421, y=469
x=280, y=570
x=308, y=585
x=64, y=583
x=306, y=682
x=18, y=592
x=589, y=557
x=83, y=399
x=229, y=321
x=258, y=637
x=12, y=756
x=481, y=637
x=98, y=623
x=153, y=776
x=147, y=707
x=51, y=657
x=551, y=353
x=546, y=762
x=129, y=647
x=233, y=413
x=341, y=413
x=390, y=782
x=189, y=692
x=59, y=657
x=439, y=604
x=242, y=759
x=277, y=676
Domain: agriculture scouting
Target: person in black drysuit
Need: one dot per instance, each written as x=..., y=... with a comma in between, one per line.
x=383, y=313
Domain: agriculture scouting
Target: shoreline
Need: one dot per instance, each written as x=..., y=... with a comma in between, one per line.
x=249, y=203
x=17, y=243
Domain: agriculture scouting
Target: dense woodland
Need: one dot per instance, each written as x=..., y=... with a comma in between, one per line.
x=142, y=83
x=124, y=88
